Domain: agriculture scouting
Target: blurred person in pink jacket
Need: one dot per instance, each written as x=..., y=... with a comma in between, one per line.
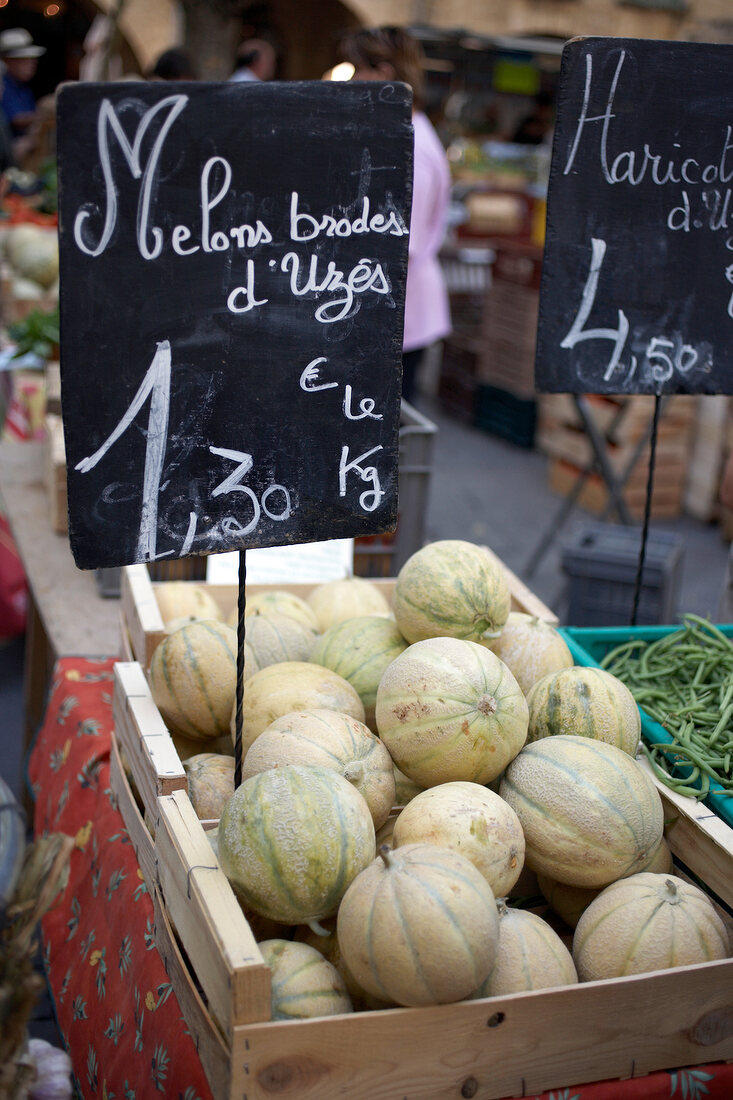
x=391, y=53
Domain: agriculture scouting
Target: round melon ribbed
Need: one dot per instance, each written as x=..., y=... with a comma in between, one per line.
x=451, y=588
x=291, y=840
x=589, y=813
x=585, y=702
x=193, y=676
x=449, y=709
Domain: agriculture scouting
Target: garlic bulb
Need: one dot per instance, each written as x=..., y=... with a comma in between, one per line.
x=53, y=1070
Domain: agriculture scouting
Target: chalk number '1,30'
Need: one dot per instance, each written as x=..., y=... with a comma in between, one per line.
x=156, y=384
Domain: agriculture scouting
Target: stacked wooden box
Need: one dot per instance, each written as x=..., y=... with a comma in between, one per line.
x=562, y=437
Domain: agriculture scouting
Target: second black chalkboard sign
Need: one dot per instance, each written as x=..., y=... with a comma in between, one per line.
x=233, y=263
x=637, y=282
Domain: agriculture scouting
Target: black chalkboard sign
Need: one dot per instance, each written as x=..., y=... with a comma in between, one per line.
x=233, y=261
x=637, y=283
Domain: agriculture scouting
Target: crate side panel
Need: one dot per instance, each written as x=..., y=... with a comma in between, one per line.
x=208, y=918
x=506, y=1046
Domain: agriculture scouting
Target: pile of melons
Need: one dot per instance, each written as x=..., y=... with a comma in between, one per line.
x=409, y=772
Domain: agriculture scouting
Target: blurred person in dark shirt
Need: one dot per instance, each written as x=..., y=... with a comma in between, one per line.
x=19, y=55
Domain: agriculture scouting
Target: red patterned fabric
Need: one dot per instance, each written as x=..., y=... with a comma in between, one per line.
x=115, y=1006
x=116, y=1009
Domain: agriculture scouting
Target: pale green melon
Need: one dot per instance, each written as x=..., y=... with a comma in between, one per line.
x=449, y=709
x=531, y=648
x=531, y=955
x=304, y=985
x=360, y=649
x=291, y=840
x=451, y=588
x=584, y=702
x=590, y=814
x=193, y=677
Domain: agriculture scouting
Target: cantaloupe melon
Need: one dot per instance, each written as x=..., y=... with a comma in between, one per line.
x=451, y=588
x=275, y=599
x=530, y=955
x=589, y=813
x=585, y=702
x=647, y=922
x=304, y=985
x=193, y=677
x=337, y=600
x=289, y=686
x=360, y=649
x=531, y=648
x=449, y=709
x=291, y=840
x=472, y=820
x=419, y=926
x=329, y=739
x=186, y=600
x=274, y=637
x=210, y=778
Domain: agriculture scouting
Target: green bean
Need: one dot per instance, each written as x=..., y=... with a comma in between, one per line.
x=684, y=681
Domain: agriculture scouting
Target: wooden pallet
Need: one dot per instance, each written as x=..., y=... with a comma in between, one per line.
x=594, y=497
x=516, y=1045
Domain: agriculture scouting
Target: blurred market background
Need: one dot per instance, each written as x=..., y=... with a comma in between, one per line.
x=483, y=456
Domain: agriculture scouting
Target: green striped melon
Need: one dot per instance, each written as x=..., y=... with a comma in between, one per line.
x=346, y=598
x=330, y=740
x=419, y=926
x=469, y=819
x=451, y=588
x=449, y=709
x=304, y=985
x=647, y=922
x=274, y=637
x=531, y=648
x=288, y=686
x=590, y=814
x=360, y=649
x=291, y=840
x=586, y=702
x=275, y=599
x=193, y=677
x=531, y=955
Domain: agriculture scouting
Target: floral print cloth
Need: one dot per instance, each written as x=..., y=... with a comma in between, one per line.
x=116, y=1009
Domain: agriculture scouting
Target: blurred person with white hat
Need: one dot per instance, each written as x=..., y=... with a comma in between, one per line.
x=19, y=55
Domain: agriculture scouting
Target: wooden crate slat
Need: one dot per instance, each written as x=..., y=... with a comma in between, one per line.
x=140, y=836
x=698, y=837
x=205, y=913
x=154, y=762
x=519, y=1045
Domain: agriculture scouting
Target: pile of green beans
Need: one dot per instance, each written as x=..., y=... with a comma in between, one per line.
x=684, y=681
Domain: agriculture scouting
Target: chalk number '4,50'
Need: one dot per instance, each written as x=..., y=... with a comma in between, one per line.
x=663, y=355
x=156, y=384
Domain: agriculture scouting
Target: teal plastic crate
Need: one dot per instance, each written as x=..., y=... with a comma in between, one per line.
x=589, y=645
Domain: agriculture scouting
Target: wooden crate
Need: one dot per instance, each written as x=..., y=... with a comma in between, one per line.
x=515, y=1045
x=144, y=626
